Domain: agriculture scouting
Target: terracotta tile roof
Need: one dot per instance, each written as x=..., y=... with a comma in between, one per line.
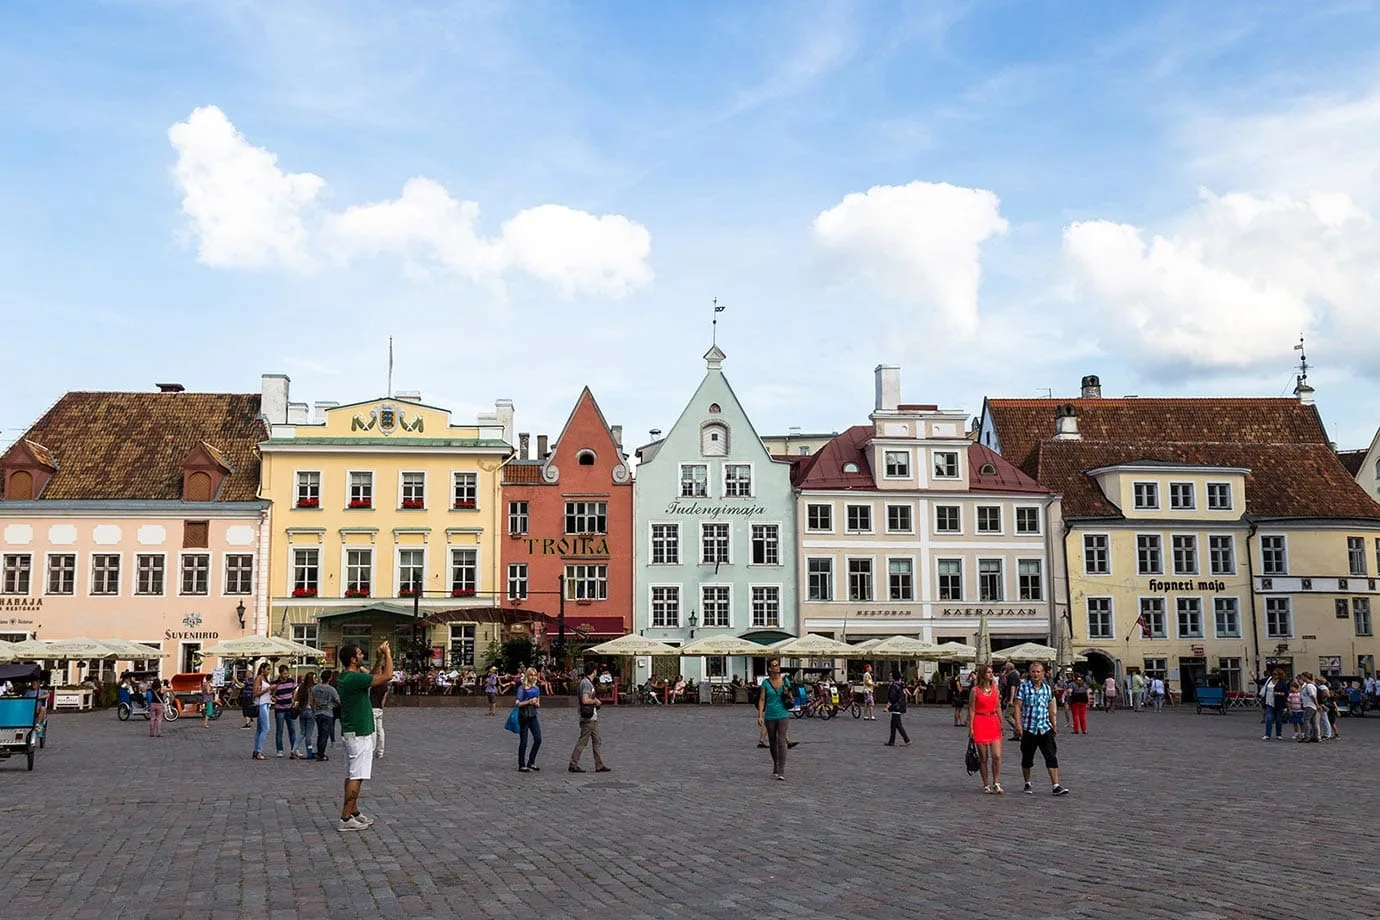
x=1004, y=476
x=1294, y=471
x=522, y=472
x=1352, y=460
x=131, y=445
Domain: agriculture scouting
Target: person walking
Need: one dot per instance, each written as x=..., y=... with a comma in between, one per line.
x=1010, y=683
x=985, y=728
x=896, y=705
x=491, y=687
x=529, y=708
x=284, y=689
x=589, y=724
x=324, y=700
x=1078, y=705
x=869, y=694
x=959, y=699
x=1157, y=693
x=306, y=718
x=1109, y=694
x=248, y=708
x=357, y=726
x=158, y=706
x=1036, y=726
x=263, y=696
x=1309, y=694
x=378, y=697
x=773, y=709
x=208, y=701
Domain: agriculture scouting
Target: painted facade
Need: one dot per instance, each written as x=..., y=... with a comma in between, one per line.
x=715, y=519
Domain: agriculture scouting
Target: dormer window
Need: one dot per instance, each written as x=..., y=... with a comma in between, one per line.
x=850, y=467
x=585, y=458
x=204, y=469
x=26, y=468
x=714, y=440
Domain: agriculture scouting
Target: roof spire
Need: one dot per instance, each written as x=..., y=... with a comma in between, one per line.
x=1302, y=390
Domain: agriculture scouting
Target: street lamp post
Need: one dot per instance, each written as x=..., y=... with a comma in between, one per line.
x=560, y=621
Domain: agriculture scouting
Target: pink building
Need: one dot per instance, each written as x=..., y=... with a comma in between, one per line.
x=135, y=515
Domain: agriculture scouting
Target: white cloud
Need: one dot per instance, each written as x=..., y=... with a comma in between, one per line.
x=243, y=210
x=918, y=243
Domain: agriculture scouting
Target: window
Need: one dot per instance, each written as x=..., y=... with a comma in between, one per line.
x=946, y=464
x=766, y=607
x=306, y=570
x=898, y=464
x=1360, y=607
x=306, y=634
x=665, y=544
x=105, y=573
x=713, y=543
x=737, y=480
x=1181, y=496
x=951, y=579
x=947, y=519
x=585, y=458
x=1146, y=495
x=1278, y=618
x=1100, y=618
x=361, y=490
x=1153, y=625
x=359, y=572
x=517, y=581
x=411, y=571
x=1096, y=560
x=714, y=602
x=694, y=480
x=414, y=490
x=196, y=534
x=1190, y=610
x=196, y=573
x=586, y=517
x=1030, y=579
x=1222, y=554
x=859, y=518
x=1156, y=667
x=766, y=544
x=1219, y=496
x=989, y=519
x=309, y=490
x=1185, y=554
x=462, y=645
x=239, y=573
x=1274, y=559
x=18, y=573
x=819, y=518
x=1230, y=670
x=860, y=579
x=900, y=579
x=587, y=582
x=517, y=517
x=820, y=579
x=62, y=573
x=464, y=572
x=464, y=490
x=1356, y=555
x=1226, y=615
x=990, y=580
x=714, y=440
x=148, y=574
x=1149, y=554
x=666, y=607
x=1027, y=520
x=361, y=634
x=898, y=519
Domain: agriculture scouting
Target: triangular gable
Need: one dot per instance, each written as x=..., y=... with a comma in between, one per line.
x=696, y=399
x=26, y=453
x=203, y=457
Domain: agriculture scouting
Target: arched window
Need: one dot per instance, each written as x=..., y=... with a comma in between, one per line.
x=988, y=469
x=714, y=440
x=21, y=486
x=198, y=488
x=850, y=467
x=585, y=458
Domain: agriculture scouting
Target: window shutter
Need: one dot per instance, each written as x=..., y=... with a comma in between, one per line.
x=198, y=488
x=21, y=486
x=196, y=534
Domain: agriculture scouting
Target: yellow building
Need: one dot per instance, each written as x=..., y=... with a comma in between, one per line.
x=1202, y=535
x=382, y=510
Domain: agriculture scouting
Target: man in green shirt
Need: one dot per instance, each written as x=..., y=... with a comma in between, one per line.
x=357, y=725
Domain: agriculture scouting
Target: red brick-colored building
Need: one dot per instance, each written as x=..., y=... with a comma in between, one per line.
x=569, y=526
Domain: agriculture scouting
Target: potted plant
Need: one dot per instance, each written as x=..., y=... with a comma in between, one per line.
x=462, y=592
x=308, y=502
x=409, y=591
x=356, y=591
x=413, y=503
x=467, y=505
x=361, y=503
x=304, y=592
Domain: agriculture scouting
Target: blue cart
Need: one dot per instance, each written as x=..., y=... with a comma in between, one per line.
x=23, y=721
x=1210, y=697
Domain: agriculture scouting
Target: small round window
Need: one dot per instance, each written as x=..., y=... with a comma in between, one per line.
x=585, y=458
x=714, y=409
x=850, y=467
x=988, y=470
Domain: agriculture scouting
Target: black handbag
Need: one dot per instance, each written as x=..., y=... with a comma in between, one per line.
x=971, y=761
x=586, y=712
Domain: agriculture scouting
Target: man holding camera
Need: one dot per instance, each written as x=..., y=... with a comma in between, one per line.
x=589, y=724
x=357, y=725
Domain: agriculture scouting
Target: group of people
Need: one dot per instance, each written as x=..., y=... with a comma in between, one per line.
x=307, y=708
x=1033, y=712
x=1307, y=702
x=527, y=709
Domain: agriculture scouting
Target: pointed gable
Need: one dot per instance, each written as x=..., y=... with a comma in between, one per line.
x=585, y=441
x=27, y=468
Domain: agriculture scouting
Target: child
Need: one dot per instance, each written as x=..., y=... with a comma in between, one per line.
x=1295, y=709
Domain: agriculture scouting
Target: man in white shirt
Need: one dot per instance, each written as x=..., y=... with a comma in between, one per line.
x=1309, y=692
x=1157, y=693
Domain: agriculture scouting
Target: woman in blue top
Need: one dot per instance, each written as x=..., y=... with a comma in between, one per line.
x=773, y=709
x=529, y=703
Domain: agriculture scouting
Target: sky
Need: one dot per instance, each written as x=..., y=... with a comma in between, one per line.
x=530, y=197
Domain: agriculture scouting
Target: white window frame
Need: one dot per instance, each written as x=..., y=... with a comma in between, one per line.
x=1033, y=511
x=810, y=576
x=1162, y=613
x=593, y=576
x=727, y=622
x=519, y=519
x=225, y=575
x=727, y=556
x=398, y=582
x=182, y=558
x=1178, y=623
x=1216, y=624
x=871, y=583
x=1106, y=551
x=910, y=513
x=464, y=483
x=24, y=568
x=454, y=583
x=1001, y=580
x=517, y=586
x=1021, y=579
x=307, y=634
x=904, y=468
x=463, y=644
x=674, y=543
x=48, y=574
x=1356, y=557
x=298, y=490
x=909, y=575
x=590, y=512
x=1153, y=489
x=1197, y=568
x=1107, y=629
x=1231, y=501
x=977, y=520
x=940, y=575
x=1360, y=607
x=1231, y=554
x=950, y=533
x=119, y=574
x=404, y=487
x=944, y=474
x=163, y=573
x=1284, y=551
x=829, y=508
x=350, y=488
x=1141, y=569
x=752, y=543
x=751, y=480
x=293, y=566
x=669, y=594
x=345, y=568
x=765, y=621
x=847, y=518
x=1179, y=485
x=1288, y=611
x=681, y=481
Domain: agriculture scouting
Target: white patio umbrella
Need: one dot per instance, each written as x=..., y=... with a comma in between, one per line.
x=1027, y=651
x=249, y=647
x=81, y=647
x=957, y=651
x=813, y=646
x=296, y=649
x=25, y=650
x=634, y=645
x=126, y=650
x=868, y=645
x=907, y=647
x=722, y=645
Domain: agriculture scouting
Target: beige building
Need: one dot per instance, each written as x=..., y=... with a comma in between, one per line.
x=1202, y=535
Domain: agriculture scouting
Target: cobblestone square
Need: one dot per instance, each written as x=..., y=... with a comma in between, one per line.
x=1172, y=815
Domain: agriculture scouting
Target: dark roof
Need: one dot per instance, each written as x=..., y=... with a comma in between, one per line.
x=1294, y=471
x=1353, y=460
x=131, y=445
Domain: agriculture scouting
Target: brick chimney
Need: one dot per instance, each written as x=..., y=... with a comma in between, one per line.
x=524, y=446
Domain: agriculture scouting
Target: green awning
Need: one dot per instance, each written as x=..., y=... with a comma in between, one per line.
x=767, y=636
x=380, y=609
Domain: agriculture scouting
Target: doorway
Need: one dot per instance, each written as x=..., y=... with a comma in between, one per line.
x=1100, y=666
x=1191, y=670
x=187, y=657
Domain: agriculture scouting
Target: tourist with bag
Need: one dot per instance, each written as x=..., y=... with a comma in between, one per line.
x=896, y=705
x=528, y=707
x=984, y=728
x=589, y=724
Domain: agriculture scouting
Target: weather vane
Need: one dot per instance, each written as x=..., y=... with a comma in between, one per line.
x=1303, y=362
x=714, y=333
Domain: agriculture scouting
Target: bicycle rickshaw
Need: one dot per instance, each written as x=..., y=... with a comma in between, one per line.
x=23, y=717
x=185, y=695
x=135, y=703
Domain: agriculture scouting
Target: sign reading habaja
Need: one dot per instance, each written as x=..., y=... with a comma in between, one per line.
x=698, y=510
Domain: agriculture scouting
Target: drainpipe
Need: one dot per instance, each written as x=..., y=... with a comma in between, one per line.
x=1049, y=554
x=1255, y=626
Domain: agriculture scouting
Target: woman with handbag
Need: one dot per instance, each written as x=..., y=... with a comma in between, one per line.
x=306, y=718
x=528, y=706
x=984, y=728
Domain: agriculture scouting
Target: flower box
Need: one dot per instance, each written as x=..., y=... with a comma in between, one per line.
x=462, y=592
x=304, y=592
x=356, y=592
x=408, y=591
x=465, y=506
x=361, y=503
x=413, y=503
x=308, y=503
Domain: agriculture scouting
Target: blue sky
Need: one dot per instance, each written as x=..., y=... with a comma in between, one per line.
x=531, y=197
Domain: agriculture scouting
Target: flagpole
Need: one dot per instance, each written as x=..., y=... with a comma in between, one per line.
x=714, y=323
x=390, y=367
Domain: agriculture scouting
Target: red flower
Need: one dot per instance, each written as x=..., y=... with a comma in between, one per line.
x=356, y=592
x=413, y=503
x=308, y=503
x=408, y=591
x=361, y=503
x=304, y=592
x=462, y=592
x=464, y=504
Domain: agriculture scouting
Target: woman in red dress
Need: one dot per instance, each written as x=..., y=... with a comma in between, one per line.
x=984, y=726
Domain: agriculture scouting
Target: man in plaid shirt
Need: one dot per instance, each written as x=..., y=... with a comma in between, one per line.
x=1036, y=727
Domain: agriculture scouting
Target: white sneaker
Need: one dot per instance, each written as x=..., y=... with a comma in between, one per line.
x=351, y=824
x=363, y=819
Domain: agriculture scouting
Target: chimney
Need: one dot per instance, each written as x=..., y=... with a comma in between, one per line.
x=274, y=391
x=888, y=387
x=1303, y=391
x=412, y=396
x=541, y=447
x=1092, y=387
x=1066, y=423
x=170, y=387
x=503, y=409
x=616, y=431
x=524, y=446
x=322, y=407
x=297, y=413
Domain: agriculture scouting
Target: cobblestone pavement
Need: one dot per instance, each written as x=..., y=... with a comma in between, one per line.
x=1175, y=815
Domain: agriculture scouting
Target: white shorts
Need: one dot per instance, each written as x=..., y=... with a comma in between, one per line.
x=359, y=755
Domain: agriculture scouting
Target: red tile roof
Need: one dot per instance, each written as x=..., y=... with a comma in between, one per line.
x=1004, y=477
x=131, y=445
x=1294, y=471
x=522, y=472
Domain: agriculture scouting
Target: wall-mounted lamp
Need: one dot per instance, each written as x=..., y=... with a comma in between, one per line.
x=239, y=612
x=694, y=621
